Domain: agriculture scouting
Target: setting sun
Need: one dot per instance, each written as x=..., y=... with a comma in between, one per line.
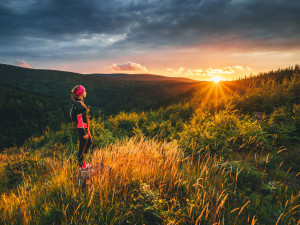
x=216, y=79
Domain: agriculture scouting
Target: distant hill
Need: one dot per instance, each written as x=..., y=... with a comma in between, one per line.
x=142, y=77
x=25, y=114
x=110, y=95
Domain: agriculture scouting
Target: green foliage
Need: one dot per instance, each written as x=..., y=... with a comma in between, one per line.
x=296, y=118
x=222, y=133
x=163, y=123
x=24, y=115
x=145, y=205
x=248, y=178
x=281, y=125
x=127, y=124
x=268, y=95
x=65, y=136
x=16, y=172
x=101, y=134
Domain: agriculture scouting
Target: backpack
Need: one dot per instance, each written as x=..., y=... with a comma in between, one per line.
x=73, y=116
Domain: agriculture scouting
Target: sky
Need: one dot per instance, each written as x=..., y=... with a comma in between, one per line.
x=185, y=38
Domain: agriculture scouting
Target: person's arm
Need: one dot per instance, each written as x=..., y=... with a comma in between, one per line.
x=80, y=125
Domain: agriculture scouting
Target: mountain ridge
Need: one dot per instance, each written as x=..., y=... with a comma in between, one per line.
x=110, y=95
x=126, y=76
x=123, y=76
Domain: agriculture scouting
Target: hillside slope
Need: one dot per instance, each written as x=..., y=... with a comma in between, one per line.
x=143, y=77
x=24, y=114
x=110, y=95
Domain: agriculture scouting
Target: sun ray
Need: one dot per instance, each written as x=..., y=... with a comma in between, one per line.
x=222, y=93
x=223, y=85
x=212, y=92
x=210, y=86
x=216, y=95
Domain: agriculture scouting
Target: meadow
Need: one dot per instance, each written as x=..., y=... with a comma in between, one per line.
x=205, y=160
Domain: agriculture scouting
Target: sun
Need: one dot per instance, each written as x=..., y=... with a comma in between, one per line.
x=216, y=79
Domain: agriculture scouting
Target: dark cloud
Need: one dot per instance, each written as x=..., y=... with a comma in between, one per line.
x=91, y=28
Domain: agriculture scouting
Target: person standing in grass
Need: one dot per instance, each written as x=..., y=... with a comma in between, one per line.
x=83, y=124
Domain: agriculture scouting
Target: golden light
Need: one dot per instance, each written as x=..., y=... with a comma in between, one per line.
x=216, y=79
x=212, y=92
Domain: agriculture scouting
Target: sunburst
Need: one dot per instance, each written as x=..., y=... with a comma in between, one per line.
x=212, y=92
x=216, y=79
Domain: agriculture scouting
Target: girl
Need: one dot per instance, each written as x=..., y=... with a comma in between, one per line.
x=83, y=124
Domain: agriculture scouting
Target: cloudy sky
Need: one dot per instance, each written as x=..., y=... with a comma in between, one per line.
x=197, y=39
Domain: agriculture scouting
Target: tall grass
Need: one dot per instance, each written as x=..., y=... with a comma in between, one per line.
x=151, y=183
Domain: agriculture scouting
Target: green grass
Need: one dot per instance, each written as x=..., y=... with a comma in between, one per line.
x=151, y=183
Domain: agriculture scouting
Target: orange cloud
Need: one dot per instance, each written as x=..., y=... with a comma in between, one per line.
x=128, y=66
x=62, y=68
x=238, y=67
x=22, y=64
x=208, y=72
x=227, y=70
x=176, y=71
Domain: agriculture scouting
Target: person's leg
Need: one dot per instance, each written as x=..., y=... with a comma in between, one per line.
x=88, y=144
x=81, y=150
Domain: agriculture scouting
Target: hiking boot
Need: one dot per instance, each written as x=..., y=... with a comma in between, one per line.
x=88, y=166
x=83, y=167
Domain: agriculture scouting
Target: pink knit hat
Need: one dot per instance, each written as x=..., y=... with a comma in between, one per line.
x=80, y=91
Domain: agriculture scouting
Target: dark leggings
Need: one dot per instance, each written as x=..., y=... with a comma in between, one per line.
x=84, y=146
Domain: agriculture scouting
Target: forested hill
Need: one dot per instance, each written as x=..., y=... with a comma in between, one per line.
x=277, y=76
x=31, y=100
x=142, y=77
x=24, y=114
x=110, y=95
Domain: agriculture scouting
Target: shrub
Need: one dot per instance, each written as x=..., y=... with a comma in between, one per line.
x=222, y=133
x=124, y=124
x=145, y=205
x=101, y=135
x=280, y=124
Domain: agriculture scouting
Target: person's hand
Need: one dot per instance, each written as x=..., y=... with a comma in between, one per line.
x=86, y=136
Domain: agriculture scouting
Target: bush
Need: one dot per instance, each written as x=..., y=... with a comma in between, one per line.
x=101, y=135
x=125, y=124
x=268, y=95
x=145, y=205
x=281, y=125
x=222, y=133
